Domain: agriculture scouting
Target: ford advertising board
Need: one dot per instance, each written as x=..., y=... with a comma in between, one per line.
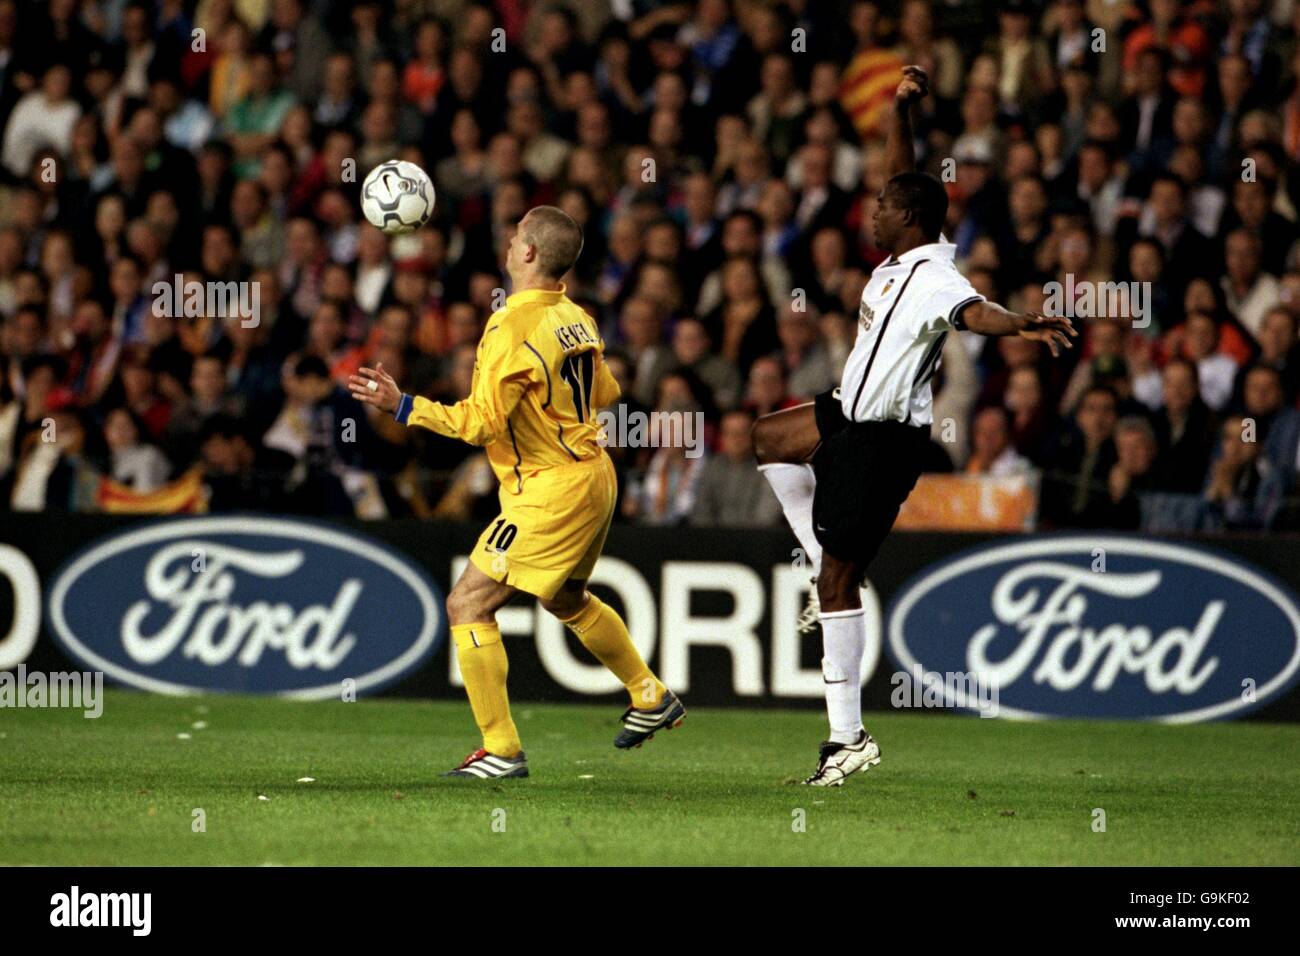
x=244, y=604
x=1102, y=627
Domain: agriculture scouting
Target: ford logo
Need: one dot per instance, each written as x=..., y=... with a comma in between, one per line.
x=242, y=604
x=1104, y=627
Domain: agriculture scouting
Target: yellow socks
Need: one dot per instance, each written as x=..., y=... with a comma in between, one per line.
x=603, y=633
x=483, y=666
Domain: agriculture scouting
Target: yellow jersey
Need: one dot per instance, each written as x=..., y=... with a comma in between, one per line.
x=540, y=379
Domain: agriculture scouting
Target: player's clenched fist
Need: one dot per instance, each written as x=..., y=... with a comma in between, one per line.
x=914, y=87
x=375, y=387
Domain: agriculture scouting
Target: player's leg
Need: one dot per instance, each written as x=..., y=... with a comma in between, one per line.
x=844, y=640
x=602, y=631
x=597, y=625
x=848, y=748
x=789, y=436
x=783, y=443
x=854, y=507
x=471, y=608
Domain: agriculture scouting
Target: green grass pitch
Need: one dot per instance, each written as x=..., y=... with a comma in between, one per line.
x=123, y=789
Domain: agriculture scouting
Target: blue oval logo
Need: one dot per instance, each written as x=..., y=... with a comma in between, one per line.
x=242, y=604
x=1165, y=632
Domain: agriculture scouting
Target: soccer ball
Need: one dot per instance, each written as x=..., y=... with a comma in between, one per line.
x=397, y=197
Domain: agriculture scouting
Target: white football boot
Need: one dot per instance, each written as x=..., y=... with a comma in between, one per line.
x=837, y=761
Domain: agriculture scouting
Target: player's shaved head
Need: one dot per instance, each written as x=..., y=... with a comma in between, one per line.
x=923, y=197
x=555, y=236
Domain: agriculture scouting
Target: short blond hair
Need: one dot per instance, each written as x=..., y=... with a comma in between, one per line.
x=556, y=237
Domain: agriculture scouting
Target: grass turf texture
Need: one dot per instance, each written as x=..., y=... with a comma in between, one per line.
x=951, y=790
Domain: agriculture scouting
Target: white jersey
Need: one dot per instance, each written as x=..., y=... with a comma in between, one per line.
x=908, y=308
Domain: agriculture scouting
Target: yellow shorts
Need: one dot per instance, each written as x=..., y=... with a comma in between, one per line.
x=553, y=531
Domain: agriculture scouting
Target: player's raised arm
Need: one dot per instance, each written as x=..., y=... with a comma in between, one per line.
x=900, y=151
x=989, y=318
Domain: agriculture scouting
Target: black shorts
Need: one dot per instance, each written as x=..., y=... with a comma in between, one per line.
x=865, y=471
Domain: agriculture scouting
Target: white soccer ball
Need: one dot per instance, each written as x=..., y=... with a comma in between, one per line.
x=397, y=197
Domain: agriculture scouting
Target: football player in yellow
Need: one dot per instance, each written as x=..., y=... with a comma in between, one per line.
x=539, y=381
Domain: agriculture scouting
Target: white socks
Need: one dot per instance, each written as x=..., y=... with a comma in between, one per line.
x=844, y=639
x=794, y=486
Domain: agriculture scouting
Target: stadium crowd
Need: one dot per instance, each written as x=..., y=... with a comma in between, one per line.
x=724, y=158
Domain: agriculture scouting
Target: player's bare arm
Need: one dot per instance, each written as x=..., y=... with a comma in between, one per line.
x=989, y=318
x=900, y=150
x=791, y=436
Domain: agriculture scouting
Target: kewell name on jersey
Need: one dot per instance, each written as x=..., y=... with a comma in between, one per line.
x=573, y=336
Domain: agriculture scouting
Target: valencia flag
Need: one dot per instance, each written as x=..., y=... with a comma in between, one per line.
x=867, y=88
x=182, y=496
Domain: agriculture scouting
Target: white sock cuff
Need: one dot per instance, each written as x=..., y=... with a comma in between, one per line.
x=831, y=615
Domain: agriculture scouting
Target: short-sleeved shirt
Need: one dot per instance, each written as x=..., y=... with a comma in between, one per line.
x=909, y=305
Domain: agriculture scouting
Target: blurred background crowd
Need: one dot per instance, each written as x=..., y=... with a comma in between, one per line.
x=724, y=158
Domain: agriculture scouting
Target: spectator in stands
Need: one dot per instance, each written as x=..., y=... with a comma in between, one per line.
x=1074, y=491
x=1133, y=473
x=52, y=473
x=254, y=120
x=1184, y=429
x=692, y=350
x=666, y=495
x=731, y=493
x=43, y=118
x=1024, y=402
x=809, y=370
x=744, y=323
x=1274, y=425
x=1244, y=489
x=992, y=452
x=240, y=163
x=207, y=398
x=1215, y=370
x=1249, y=290
x=1279, y=348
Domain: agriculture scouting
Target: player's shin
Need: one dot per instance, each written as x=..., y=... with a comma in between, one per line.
x=844, y=639
x=603, y=632
x=794, y=486
x=483, y=667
